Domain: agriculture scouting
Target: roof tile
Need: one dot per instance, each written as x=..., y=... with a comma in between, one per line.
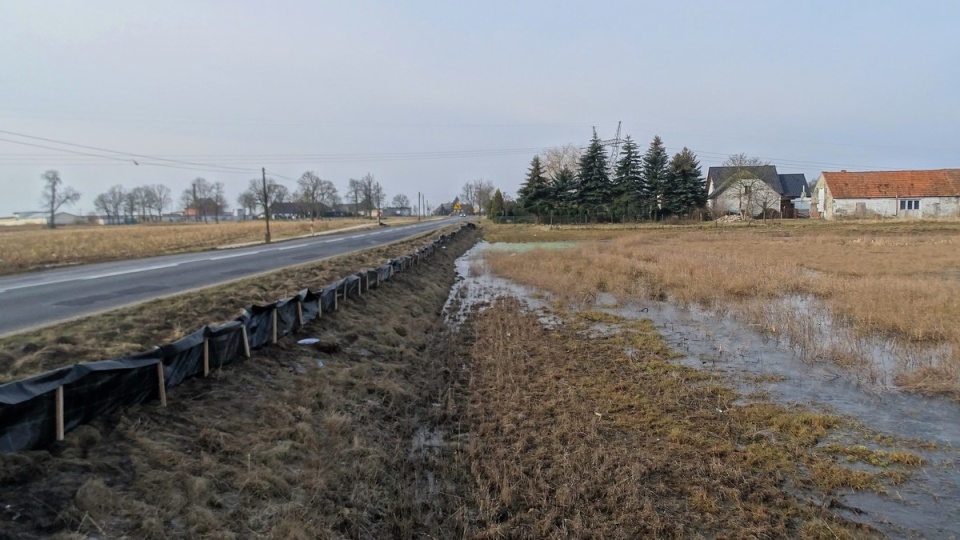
x=888, y=184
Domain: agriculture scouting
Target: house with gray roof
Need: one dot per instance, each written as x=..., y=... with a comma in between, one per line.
x=753, y=191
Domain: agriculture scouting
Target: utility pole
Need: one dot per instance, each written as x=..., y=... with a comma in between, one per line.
x=419, y=206
x=266, y=204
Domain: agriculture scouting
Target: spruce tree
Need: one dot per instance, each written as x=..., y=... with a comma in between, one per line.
x=654, y=177
x=534, y=194
x=627, y=179
x=563, y=190
x=686, y=189
x=594, y=182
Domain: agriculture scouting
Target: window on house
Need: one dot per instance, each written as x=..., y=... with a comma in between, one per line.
x=909, y=204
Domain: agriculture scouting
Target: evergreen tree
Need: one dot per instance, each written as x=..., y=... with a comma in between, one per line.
x=534, y=194
x=497, y=206
x=654, y=177
x=594, y=191
x=685, y=190
x=627, y=179
x=563, y=190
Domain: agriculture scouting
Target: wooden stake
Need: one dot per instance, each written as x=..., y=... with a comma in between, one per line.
x=273, y=339
x=336, y=299
x=378, y=278
x=59, y=412
x=206, y=357
x=246, y=341
x=360, y=288
x=161, y=388
x=300, y=312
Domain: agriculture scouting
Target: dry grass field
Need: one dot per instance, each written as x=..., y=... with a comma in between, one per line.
x=34, y=248
x=579, y=438
x=897, y=280
x=138, y=328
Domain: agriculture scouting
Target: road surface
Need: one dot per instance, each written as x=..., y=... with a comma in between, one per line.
x=39, y=299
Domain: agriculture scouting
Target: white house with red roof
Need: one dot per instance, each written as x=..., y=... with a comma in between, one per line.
x=910, y=194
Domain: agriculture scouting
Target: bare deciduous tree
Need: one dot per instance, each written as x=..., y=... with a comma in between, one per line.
x=102, y=205
x=369, y=194
x=314, y=193
x=195, y=198
x=56, y=195
x=355, y=194
x=218, y=196
x=477, y=193
x=248, y=202
x=115, y=198
x=161, y=199
x=400, y=201
x=556, y=158
x=746, y=186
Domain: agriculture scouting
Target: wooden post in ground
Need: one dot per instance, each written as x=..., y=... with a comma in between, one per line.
x=161, y=387
x=59, y=412
x=336, y=299
x=300, y=312
x=378, y=278
x=206, y=357
x=246, y=341
x=273, y=338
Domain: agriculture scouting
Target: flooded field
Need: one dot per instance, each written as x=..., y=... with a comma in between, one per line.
x=765, y=364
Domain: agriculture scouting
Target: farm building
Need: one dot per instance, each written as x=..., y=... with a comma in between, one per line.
x=910, y=194
x=756, y=191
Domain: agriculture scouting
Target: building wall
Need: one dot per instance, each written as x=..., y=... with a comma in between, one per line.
x=930, y=207
x=729, y=201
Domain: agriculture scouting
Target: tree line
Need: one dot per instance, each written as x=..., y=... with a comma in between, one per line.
x=648, y=186
x=205, y=201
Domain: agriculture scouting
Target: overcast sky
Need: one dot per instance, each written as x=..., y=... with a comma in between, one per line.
x=427, y=95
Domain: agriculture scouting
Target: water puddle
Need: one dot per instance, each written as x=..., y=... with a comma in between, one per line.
x=476, y=289
x=756, y=359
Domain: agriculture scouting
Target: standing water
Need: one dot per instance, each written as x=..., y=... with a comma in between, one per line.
x=926, y=504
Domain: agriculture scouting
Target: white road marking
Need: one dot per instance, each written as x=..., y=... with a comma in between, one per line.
x=221, y=257
x=284, y=248
x=131, y=271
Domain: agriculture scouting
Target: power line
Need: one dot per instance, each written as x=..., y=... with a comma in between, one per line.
x=126, y=161
x=142, y=156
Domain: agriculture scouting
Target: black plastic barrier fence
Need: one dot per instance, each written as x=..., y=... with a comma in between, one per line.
x=39, y=410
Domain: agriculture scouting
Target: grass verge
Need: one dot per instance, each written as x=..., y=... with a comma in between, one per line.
x=276, y=446
x=133, y=329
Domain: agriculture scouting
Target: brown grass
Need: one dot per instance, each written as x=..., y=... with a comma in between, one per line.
x=138, y=328
x=276, y=447
x=35, y=248
x=891, y=279
x=574, y=438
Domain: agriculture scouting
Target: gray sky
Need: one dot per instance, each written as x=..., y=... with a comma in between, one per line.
x=427, y=95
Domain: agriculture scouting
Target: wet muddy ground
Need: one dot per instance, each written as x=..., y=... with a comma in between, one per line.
x=763, y=366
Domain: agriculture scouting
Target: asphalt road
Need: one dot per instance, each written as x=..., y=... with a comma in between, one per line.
x=39, y=299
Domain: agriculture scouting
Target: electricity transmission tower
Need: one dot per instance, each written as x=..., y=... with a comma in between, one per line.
x=614, y=145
